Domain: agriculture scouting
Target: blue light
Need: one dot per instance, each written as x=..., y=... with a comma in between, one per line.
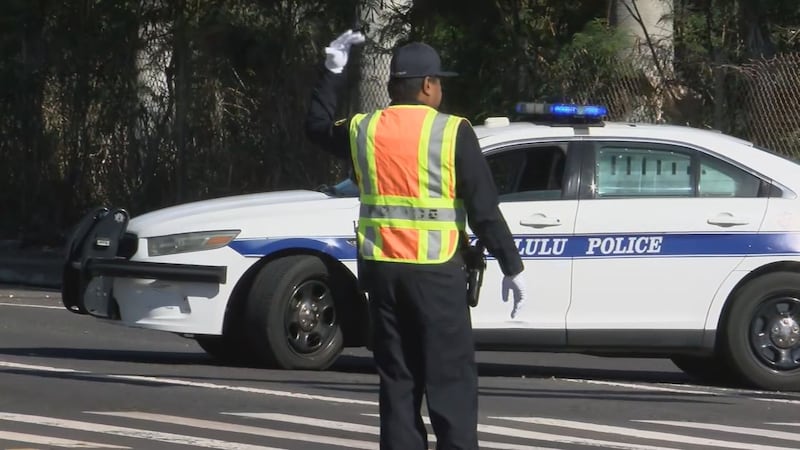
x=568, y=110
x=562, y=110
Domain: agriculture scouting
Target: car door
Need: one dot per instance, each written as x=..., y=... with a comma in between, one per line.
x=661, y=226
x=537, y=187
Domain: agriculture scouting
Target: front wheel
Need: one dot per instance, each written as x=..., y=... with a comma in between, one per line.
x=292, y=320
x=762, y=332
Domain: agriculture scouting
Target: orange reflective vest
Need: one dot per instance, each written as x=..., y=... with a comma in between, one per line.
x=404, y=160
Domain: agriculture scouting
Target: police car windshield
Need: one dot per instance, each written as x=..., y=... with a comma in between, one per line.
x=344, y=188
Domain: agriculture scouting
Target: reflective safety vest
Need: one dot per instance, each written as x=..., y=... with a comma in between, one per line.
x=404, y=160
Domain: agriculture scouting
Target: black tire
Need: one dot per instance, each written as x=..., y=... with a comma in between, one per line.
x=761, y=335
x=291, y=317
x=705, y=369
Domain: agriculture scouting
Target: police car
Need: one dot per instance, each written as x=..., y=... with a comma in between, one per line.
x=646, y=240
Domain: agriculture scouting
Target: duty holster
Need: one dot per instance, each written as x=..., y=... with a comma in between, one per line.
x=475, y=264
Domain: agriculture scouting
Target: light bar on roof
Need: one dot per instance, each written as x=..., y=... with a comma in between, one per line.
x=562, y=110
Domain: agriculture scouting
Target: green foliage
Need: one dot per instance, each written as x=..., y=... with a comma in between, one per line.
x=146, y=103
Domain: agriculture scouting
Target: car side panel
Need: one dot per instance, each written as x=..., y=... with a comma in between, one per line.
x=782, y=221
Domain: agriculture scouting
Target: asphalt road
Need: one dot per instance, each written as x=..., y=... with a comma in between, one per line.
x=72, y=381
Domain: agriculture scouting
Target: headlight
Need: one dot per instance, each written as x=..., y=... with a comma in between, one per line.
x=189, y=242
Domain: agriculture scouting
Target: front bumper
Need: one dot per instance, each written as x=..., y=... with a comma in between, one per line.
x=99, y=250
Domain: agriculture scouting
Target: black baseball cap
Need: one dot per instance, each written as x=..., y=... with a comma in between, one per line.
x=417, y=60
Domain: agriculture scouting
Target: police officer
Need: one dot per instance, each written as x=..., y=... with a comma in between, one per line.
x=421, y=175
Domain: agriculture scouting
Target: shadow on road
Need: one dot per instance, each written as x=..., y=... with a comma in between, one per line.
x=129, y=356
x=352, y=364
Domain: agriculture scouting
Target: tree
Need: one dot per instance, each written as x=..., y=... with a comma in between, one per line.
x=648, y=28
x=377, y=18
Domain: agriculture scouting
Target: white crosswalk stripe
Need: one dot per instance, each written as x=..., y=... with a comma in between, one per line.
x=561, y=439
x=245, y=429
x=131, y=432
x=274, y=430
x=366, y=429
x=772, y=434
x=51, y=441
x=649, y=435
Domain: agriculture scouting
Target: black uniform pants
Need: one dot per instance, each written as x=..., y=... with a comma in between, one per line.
x=423, y=344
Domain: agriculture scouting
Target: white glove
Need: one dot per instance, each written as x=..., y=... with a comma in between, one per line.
x=515, y=284
x=339, y=49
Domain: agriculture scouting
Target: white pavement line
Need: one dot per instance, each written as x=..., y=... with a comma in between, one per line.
x=645, y=387
x=520, y=434
x=51, y=441
x=728, y=429
x=32, y=306
x=564, y=439
x=367, y=429
x=313, y=422
x=642, y=434
x=784, y=424
x=131, y=432
x=776, y=400
x=717, y=391
x=249, y=390
x=243, y=429
x=39, y=368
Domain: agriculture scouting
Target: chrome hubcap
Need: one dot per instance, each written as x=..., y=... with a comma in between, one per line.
x=310, y=319
x=775, y=333
x=785, y=332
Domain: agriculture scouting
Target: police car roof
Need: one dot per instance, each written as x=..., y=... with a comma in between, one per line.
x=786, y=172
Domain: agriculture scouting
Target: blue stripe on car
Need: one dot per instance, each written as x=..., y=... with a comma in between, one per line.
x=577, y=246
x=340, y=248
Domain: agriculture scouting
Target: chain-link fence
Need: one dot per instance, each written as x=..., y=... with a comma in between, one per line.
x=771, y=102
x=758, y=101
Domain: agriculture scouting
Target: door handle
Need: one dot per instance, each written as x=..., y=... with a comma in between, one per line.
x=727, y=220
x=540, y=220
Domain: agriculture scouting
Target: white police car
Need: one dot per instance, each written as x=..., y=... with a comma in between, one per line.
x=637, y=240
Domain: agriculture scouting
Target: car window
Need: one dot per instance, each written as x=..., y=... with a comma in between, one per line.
x=720, y=179
x=639, y=171
x=505, y=170
x=529, y=173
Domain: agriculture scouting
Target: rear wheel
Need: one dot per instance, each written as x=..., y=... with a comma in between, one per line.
x=762, y=332
x=291, y=319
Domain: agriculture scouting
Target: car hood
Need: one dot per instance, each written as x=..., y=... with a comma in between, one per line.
x=224, y=211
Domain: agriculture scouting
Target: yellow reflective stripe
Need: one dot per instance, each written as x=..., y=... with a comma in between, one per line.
x=363, y=236
x=444, y=245
x=354, y=145
x=373, y=172
x=447, y=243
x=422, y=153
x=422, y=245
x=448, y=155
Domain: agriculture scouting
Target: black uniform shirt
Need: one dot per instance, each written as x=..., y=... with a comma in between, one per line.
x=474, y=183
